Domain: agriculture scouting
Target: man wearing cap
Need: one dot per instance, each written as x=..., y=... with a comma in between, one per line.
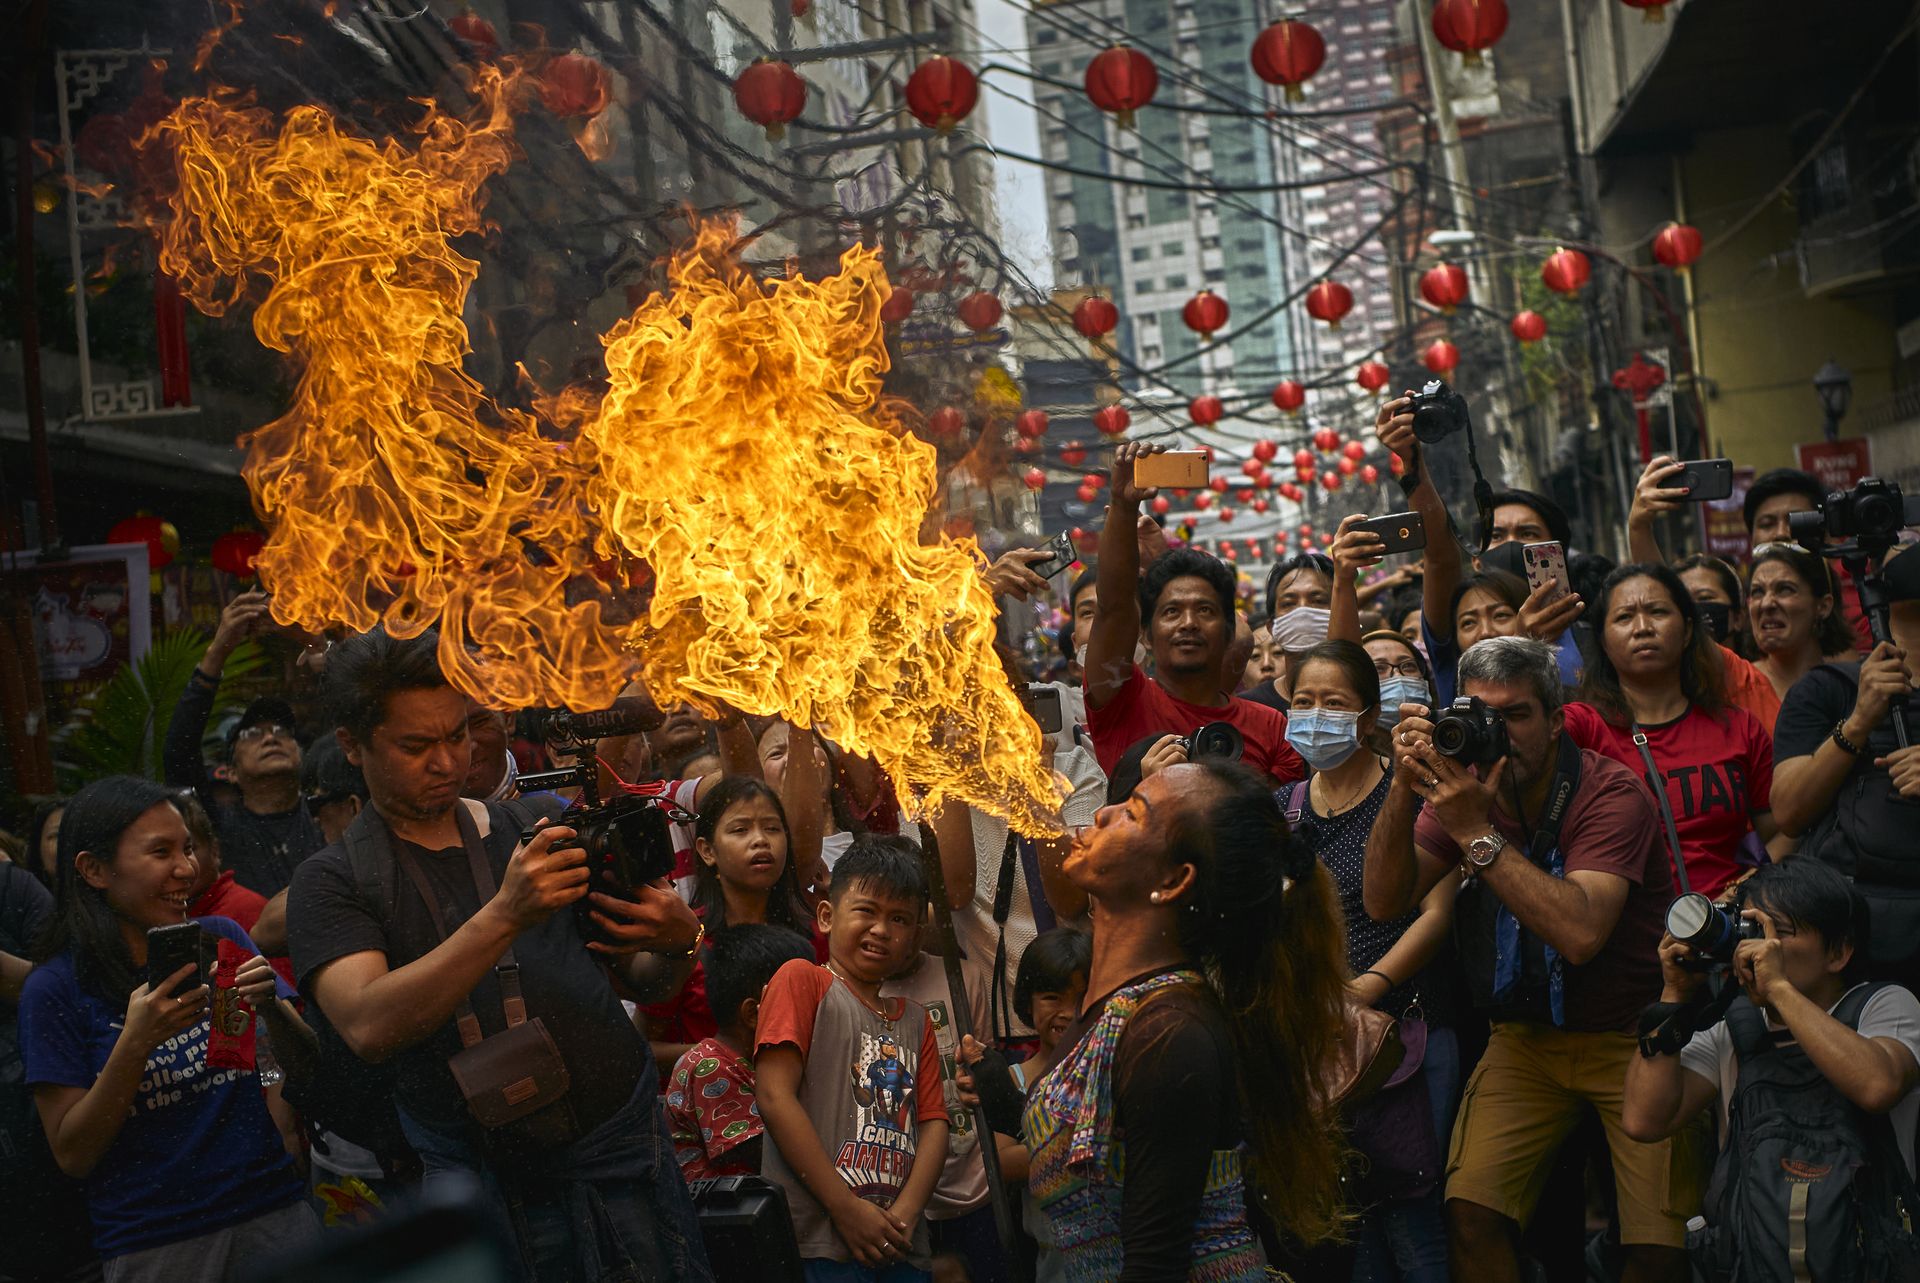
x=270, y=832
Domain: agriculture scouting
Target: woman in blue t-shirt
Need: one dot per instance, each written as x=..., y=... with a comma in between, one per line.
x=186, y=1175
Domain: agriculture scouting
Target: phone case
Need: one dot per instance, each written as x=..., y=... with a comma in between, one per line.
x=1546, y=563
x=1400, y=531
x=1184, y=469
x=1707, y=479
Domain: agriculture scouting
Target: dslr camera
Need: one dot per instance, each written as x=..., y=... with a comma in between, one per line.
x=1871, y=516
x=1218, y=741
x=1438, y=412
x=1709, y=930
x=628, y=840
x=1471, y=732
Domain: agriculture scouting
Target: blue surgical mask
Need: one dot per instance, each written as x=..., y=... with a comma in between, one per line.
x=1396, y=691
x=1324, y=737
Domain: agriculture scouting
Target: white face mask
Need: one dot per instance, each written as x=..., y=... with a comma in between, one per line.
x=1301, y=628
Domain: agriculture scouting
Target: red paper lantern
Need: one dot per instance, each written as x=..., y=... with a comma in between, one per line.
x=1566, y=271
x=1441, y=357
x=946, y=422
x=1031, y=423
x=770, y=93
x=1372, y=376
x=1287, y=54
x=1370, y=474
x=476, y=31
x=1203, y=501
x=1122, y=80
x=1306, y=474
x=1112, y=419
x=1326, y=539
x=1205, y=409
x=1161, y=505
x=235, y=551
x=1650, y=10
x=1678, y=245
x=1253, y=468
x=1094, y=480
x=1261, y=505
x=1469, y=26
x=1329, y=301
x=1326, y=440
x=1035, y=479
x=898, y=307
x=1347, y=467
x=979, y=311
x=1027, y=445
x=1218, y=484
x=1265, y=451
x=941, y=92
x=1073, y=454
x=1095, y=317
x=1289, y=395
x=574, y=85
x=1226, y=549
x=1226, y=514
x=1204, y=313
x=1444, y=286
x=1356, y=451
x=1396, y=465
x=1087, y=494
x=1529, y=326
x=1331, y=480
x=160, y=537
x=1243, y=495
x=1303, y=458
x=1292, y=492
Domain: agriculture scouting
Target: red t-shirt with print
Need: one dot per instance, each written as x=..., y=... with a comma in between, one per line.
x=1142, y=707
x=1718, y=770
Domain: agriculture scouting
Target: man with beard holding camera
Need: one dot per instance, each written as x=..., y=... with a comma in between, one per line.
x=1566, y=879
x=500, y=1008
x=1186, y=604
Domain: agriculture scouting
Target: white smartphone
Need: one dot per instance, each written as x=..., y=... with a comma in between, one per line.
x=1546, y=563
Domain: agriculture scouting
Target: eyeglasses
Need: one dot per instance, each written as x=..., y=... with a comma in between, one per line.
x=260, y=731
x=1405, y=668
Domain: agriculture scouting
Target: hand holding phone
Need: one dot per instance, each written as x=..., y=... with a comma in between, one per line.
x=1042, y=702
x=1706, y=480
x=1398, y=531
x=1180, y=469
x=184, y=944
x=1546, y=566
x=1060, y=555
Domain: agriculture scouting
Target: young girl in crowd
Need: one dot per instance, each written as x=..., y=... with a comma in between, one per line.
x=1335, y=726
x=743, y=872
x=1795, y=618
x=186, y=1176
x=1659, y=673
x=1299, y=598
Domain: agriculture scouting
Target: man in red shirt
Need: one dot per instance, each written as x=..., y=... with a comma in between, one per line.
x=1186, y=600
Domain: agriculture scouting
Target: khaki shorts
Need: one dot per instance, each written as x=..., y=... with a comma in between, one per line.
x=1525, y=1097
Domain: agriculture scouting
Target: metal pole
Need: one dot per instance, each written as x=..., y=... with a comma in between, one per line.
x=962, y=1015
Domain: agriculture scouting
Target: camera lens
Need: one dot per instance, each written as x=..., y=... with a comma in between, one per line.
x=1450, y=736
x=1689, y=917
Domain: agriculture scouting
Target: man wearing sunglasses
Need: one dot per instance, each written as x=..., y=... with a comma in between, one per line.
x=270, y=831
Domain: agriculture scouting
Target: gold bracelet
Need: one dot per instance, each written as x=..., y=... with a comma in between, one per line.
x=699, y=937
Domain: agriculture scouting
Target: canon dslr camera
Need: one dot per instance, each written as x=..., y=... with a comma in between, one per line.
x=1471, y=732
x=1216, y=741
x=1438, y=412
x=1709, y=930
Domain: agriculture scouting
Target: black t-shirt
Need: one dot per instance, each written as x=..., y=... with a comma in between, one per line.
x=1875, y=817
x=328, y=918
x=1265, y=693
x=263, y=850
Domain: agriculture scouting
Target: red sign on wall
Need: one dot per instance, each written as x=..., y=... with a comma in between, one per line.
x=1837, y=465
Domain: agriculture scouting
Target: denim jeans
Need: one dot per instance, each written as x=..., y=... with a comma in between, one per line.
x=1407, y=1240
x=609, y=1208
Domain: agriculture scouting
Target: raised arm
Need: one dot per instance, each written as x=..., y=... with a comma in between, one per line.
x=1397, y=875
x=1116, y=596
x=1652, y=499
x=1394, y=424
x=1353, y=550
x=180, y=756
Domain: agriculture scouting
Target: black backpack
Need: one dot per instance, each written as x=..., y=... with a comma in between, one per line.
x=345, y=1095
x=1808, y=1185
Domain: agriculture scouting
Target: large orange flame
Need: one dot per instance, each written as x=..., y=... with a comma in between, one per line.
x=738, y=452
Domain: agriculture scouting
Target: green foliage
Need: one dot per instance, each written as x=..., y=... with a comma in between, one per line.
x=1558, y=362
x=122, y=726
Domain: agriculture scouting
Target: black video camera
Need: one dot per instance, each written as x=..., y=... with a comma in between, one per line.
x=628, y=840
x=1871, y=516
x=1709, y=930
x=1471, y=732
x=1438, y=412
x=1217, y=741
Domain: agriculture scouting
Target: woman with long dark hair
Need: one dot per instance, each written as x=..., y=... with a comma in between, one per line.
x=1658, y=673
x=1721, y=600
x=1218, y=983
x=743, y=873
x=1794, y=615
x=185, y=1173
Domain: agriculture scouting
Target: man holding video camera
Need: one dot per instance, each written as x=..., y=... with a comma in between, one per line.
x=1566, y=883
x=434, y=935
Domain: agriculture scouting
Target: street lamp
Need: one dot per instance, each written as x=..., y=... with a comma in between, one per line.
x=1835, y=385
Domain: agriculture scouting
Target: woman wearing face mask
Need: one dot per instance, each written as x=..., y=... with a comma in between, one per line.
x=1403, y=672
x=1299, y=600
x=1718, y=596
x=1335, y=726
x=1657, y=673
x=1796, y=620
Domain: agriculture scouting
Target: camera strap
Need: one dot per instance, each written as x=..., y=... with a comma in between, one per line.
x=512, y=1001
x=1482, y=492
x=1658, y=783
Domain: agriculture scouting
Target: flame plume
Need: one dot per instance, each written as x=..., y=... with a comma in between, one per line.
x=739, y=452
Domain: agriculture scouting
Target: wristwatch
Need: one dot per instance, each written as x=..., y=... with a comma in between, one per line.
x=1484, y=850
